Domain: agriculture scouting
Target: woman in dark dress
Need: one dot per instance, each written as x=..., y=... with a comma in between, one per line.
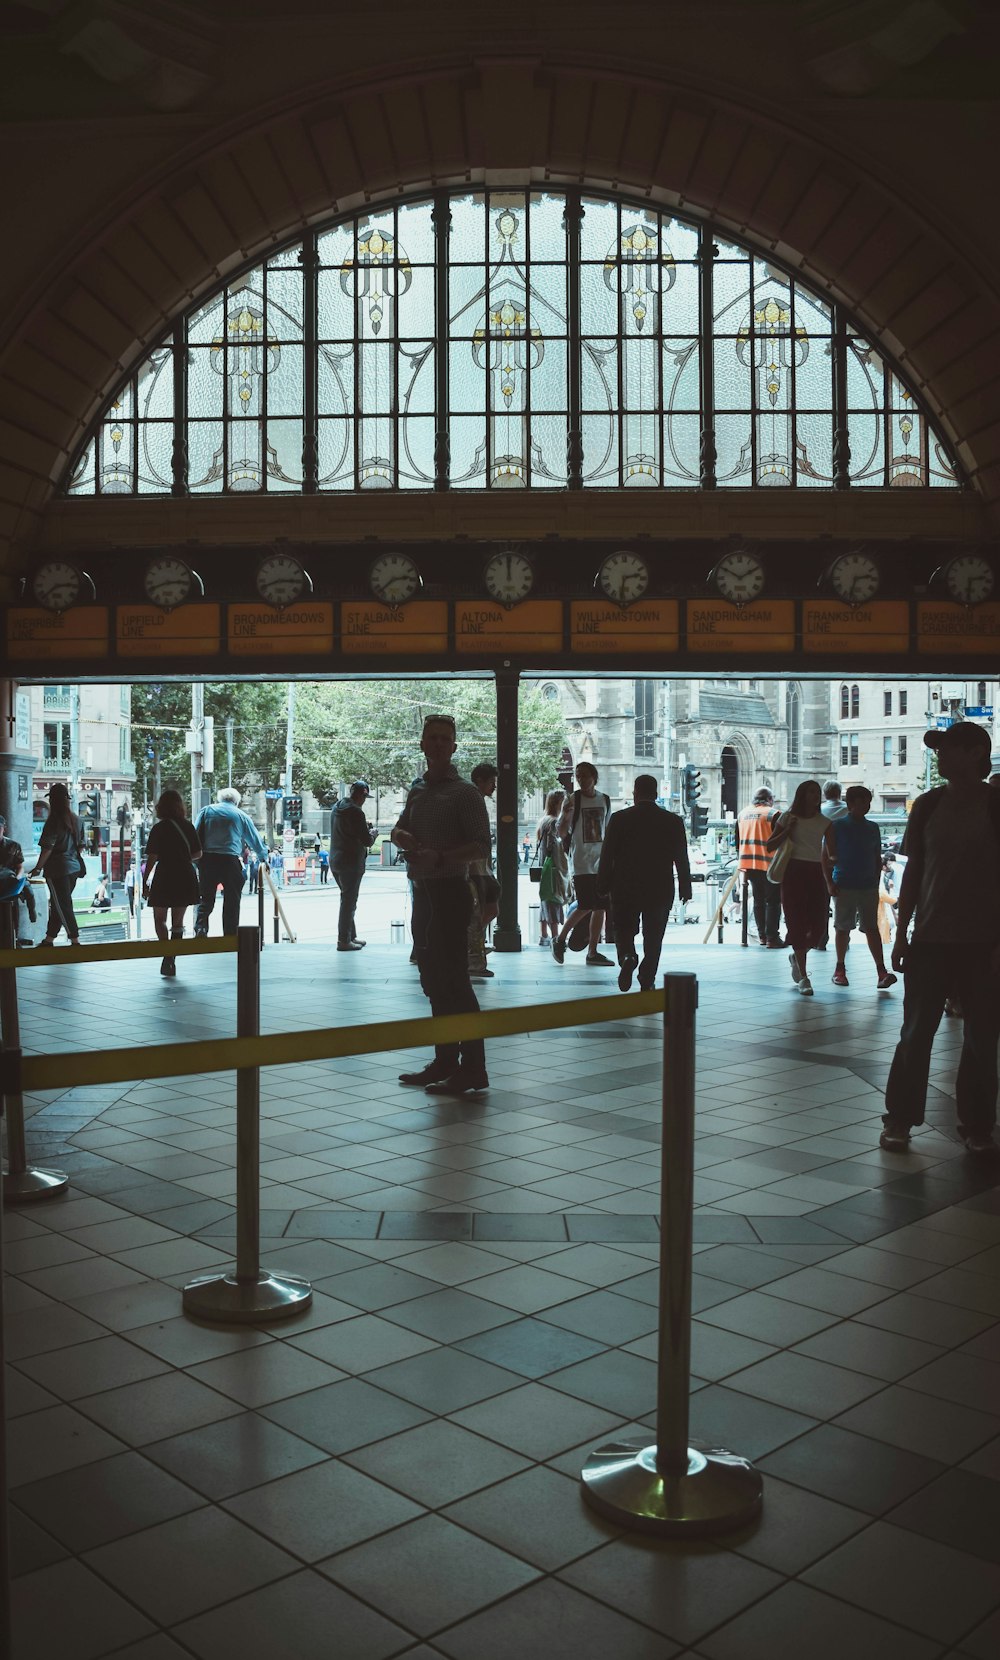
x=171, y=881
x=59, y=858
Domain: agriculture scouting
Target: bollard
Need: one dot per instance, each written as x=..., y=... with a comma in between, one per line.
x=251, y=1294
x=277, y=916
x=745, y=924
x=397, y=933
x=21, y=1185
x=260, y=905
x=674, y=1487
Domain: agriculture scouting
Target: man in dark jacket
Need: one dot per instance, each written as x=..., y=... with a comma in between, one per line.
x=351, y=836
x=642, y=847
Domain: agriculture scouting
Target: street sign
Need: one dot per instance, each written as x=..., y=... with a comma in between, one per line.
x=943, y=721
x=274, y=795
x=980, y=711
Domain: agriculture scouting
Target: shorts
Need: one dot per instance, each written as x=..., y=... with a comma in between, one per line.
x=588, y=897
x=856, y=908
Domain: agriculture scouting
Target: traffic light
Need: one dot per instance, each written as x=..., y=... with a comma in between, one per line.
x=124, y=814
x=90, y=805
x=699, y=821
x=690, y=785
x=293, y=810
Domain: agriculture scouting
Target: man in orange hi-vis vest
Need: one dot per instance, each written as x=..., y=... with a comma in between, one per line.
x=755, y=824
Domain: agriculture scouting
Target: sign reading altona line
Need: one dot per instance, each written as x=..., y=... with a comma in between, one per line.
x=482, y=628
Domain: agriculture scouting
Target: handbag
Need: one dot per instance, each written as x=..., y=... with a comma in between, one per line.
x=546, y=882
x=780, y=861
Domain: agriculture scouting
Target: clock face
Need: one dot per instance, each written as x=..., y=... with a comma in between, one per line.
x=739, y=577
x=624, y=577
x=854, y=578
x=509, y=576
x=969, y=578
x=281, y=580
x=394, y=578
x=57, y=585
x=169, y=582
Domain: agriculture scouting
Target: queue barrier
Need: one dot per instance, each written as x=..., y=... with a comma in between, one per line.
x=673, y=1486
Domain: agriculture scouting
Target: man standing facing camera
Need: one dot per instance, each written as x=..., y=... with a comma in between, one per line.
x=351, y=836
x=955, y=947
x=444, y=828
x=583, y=824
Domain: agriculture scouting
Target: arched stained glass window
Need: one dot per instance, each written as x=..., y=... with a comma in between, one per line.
x=508, y=339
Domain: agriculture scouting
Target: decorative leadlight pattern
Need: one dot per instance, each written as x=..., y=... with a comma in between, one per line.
x=506, y=339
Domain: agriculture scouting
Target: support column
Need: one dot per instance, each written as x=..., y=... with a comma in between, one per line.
x=507, y=934
x=17, y=771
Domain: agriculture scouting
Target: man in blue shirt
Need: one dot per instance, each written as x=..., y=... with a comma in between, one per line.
x=852, y=864
x=224, y=831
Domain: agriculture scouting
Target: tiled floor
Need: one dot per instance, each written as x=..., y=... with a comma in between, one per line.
x=396, y=1471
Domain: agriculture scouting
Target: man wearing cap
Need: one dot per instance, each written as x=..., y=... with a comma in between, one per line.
x=754, y=826
x=351, y=836
x=955, y=946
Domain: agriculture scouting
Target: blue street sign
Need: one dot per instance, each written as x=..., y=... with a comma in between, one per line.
x=980, y=711
x=273, y=795
x=943, y=721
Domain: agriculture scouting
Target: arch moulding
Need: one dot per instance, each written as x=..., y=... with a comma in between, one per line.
x=498, y=120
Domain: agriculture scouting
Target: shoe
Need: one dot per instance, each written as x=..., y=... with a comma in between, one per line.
x=626, y=972
x=430, y=1074
x=47, y=942
x=483, y=974
x=840, y=977
x=460, y=1082
x=796, y=970
x=558, y=951
x=597, y=959
x=645, y=985
x=352, y=945
x=953, y=1008
x=168, y=968
x=545, y=944
x=805, y=986
x=201, y=933
x=776, y=945
x=895, y=1137
x=820, y=947
x=980, y=1143
x=885, y=981
x=25, y=942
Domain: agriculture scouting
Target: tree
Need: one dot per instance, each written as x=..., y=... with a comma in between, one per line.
x=161, y=714
x=371, y=729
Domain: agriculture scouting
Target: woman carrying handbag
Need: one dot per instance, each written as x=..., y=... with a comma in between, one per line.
x=553, y=871
x=171, y=882
x=61, y=863
x=797, y=845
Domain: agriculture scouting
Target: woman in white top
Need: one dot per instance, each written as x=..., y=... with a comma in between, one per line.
x=804, y=896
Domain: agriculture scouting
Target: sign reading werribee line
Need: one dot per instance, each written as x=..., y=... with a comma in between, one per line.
x=36, y=634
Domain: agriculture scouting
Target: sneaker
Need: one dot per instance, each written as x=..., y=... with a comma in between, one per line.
x=805, y=986
x=980, y=1143
x=558, y=951
x=895, y=1137
x=597, y=959
x=481, y=974
x=840, y=977
x=545, y=944
x=885, y=981
x=626, y=972
x=796, y=970
x=352, y=945
x=776, y=945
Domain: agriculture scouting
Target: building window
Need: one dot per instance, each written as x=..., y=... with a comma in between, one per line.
x=902, y=704
x=855, y=702
x=793, y=716
x=124, y=746
x=887, y=703
x=849, y=749
x=55, y=697
x=887, y=752
x=981, y=693
x=517, y=320
x=645, y=719
x=845, y=702
x=55, y=745
x=901, y=750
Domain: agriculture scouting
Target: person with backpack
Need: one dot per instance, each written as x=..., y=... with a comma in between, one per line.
x=61, y=862
x=954, y=950
x=582, y=825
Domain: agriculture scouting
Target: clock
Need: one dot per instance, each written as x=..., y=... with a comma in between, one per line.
x=168, y=582
x=509, y=576
x=969, y=578
x=58, y=585
x=281, y=580
x=624, y=577
x=394, y=578
x=855, y=577
x=739, y=577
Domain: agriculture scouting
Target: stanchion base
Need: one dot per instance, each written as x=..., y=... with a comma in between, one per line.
x=268, y=1297
x=720, y=1492
x=26, y=1186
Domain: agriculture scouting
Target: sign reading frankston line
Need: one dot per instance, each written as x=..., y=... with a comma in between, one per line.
x=644, y=626
x=714, y=625
x=304, y=630
x=831, y=626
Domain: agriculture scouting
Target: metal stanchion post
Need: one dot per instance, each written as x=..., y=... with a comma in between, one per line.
x=21, y=1185
x=260, y=905
x=252, y=1294
x=745, y=924
x=277, y=916
x=674, y=1486
x=5, y=1632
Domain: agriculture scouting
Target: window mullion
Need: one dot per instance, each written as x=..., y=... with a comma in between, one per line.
x=573, y=219
x=841, y=429
x=309, y=259
x=441, y=216
x=179, y=448
x=708, y=453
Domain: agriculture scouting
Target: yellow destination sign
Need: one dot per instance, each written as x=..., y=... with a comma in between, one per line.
x=34, y=634
x=482, y=628
x=146, y=631
x=597, y=627
x=713, y=625
x=304, y=630
x=944, y=629
x=380, y=629
x=827, y=626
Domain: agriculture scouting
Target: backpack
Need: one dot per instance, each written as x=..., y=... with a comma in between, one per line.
x=567, y=840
